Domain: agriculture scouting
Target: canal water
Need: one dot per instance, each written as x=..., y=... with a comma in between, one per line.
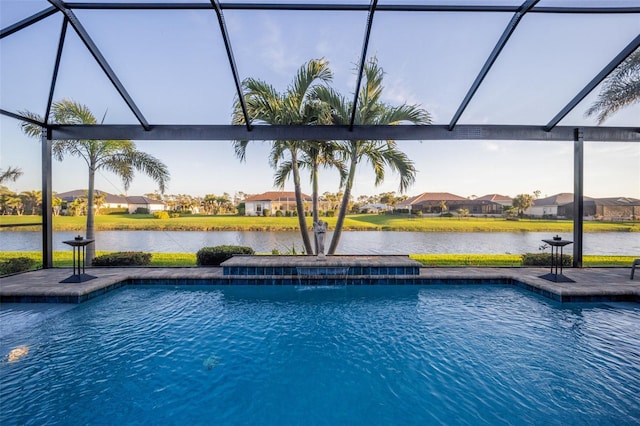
x=352, y=242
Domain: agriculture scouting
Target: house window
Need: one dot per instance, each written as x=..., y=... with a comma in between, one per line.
x=258, y=208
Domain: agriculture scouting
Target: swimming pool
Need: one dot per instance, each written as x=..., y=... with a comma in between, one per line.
x=325, y=355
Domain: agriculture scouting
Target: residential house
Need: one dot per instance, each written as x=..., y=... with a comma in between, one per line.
x=503, y=200
x=138, y=201
x=273, y=201
x=432, y=203
x=111, y=201
x=548, y=206
x=617, y=208
x=429, y=202
x=375, y=208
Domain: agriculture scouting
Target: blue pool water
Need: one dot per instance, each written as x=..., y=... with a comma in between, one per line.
x=349, y=355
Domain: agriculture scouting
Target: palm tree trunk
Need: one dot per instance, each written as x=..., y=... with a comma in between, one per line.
x=302, y=220
x=91, y=230
x=314, y=198
x=344, y=205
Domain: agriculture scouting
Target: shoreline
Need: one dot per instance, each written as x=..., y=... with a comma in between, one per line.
x=359, y=222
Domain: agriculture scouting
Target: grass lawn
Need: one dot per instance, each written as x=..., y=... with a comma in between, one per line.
x=64, y=259
x=359, y=222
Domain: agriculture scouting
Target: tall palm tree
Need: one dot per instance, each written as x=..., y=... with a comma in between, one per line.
x=621, y=88
x=293, y=107
x=11, y=174
x=314, y=155
x=117, y=156
x=379, y=154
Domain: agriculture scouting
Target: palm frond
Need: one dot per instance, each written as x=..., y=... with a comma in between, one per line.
x=28, y=128
x=620, y=89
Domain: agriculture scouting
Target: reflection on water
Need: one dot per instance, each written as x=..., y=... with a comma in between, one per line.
x=353, y=242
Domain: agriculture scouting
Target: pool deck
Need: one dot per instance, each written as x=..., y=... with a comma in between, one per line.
x=590, y=284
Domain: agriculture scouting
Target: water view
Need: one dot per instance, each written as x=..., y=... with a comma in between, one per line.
x=353, y=242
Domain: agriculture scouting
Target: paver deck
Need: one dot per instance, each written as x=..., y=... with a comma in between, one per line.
x=591, y=284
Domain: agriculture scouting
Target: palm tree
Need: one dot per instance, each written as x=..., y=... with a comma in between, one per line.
x=32, y=201
x=314, y=155
x=621, y=88
x=293, y=107
x=11, y=174
x=379, y=154
x=99, y=199
x=117, y=156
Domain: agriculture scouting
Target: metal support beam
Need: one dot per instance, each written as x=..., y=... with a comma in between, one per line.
x=578, y=196
x=351, y=7
x=47, y=197
x=232, y=62
x=504, y=38
x=93, y=49
x=319, y=133
x=56, y=68
x=363, y=59
x=27, y=22
x=21, y=118
x=620, y=57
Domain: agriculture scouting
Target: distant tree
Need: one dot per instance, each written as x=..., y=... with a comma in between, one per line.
x=509, y=211
x=522, y=202
x=443, y=206
x=78, y=206
x=11, y=174
x=56, y=205
x=32, y=201
x=99, y=200
x=536, y=194
x=117, y=156
x=621, y=88
x=154, y=196
x=14, y=204
x=463, y=212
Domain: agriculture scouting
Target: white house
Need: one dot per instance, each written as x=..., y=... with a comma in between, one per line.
x=138, y=201
x=111, y=201
x=375, y=208
x=273, y=201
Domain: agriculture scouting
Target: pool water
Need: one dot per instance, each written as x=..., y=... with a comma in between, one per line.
x=340, y=355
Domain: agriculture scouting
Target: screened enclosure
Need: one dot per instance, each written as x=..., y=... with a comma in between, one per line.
x=506, y=85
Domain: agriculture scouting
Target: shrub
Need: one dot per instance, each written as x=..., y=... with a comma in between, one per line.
x=214, y=256
x=114, y=210
x=330, y=213
x=161, y=215
x=15, y=265
x=266, y=212
x=123, y=258
x=544, y=259
x=279, y=213
x=141, y=210
x=174, y=215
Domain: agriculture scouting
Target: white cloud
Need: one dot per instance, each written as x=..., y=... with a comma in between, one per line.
x=273, y=49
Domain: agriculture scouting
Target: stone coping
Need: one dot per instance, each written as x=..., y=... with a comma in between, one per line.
x=328, y=261
x=591, y=284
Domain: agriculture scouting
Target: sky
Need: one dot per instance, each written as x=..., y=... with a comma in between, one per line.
x=174, y=66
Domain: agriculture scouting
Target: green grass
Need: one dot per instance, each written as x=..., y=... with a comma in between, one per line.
x=362, y=222
x=64, y=259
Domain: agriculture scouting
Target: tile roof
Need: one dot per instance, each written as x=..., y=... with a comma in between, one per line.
x=495, y=198
x=556, y=200
x=432, y=196
x=276, y=196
